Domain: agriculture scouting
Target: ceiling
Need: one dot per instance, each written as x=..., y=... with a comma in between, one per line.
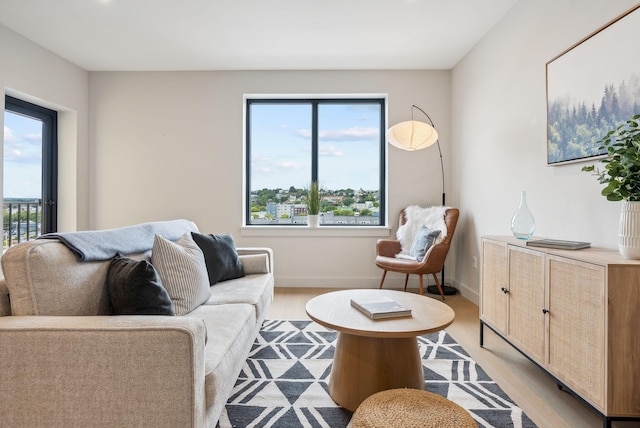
x=255, y=34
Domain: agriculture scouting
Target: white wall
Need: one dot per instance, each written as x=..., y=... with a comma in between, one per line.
x=169, y=145
x=499, y=133
x=29, y=72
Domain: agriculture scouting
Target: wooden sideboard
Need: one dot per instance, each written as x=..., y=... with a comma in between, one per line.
x=575, y=313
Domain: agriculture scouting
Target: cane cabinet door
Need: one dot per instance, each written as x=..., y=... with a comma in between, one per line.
x=576, y=317
x=526, y=301
x=494, y=298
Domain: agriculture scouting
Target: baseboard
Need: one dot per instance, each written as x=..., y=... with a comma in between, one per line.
x=468, y=293
x=326, y=282
x=391, y=282
x=370, y=282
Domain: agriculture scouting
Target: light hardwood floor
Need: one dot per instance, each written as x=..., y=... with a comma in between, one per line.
x=529, y=386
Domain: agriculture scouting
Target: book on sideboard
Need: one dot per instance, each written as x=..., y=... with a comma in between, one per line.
x=379, y=307
x=558, y=244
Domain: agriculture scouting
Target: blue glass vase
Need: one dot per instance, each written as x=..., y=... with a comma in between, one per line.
x=522, y=223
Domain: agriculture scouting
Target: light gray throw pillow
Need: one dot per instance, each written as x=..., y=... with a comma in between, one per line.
x=183, y=272
x=424, y=239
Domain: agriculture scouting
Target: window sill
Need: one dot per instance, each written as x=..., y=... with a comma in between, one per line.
x=341, y=231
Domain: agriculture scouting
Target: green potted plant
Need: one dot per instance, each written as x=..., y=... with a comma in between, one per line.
x=313, y=204
x=621, y=177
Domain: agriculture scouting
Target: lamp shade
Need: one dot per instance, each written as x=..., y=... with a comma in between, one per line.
x=412, y=135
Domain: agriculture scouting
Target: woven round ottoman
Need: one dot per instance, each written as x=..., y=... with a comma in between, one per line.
x=410, y=408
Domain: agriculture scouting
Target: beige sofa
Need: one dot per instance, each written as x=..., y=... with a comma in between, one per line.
x=64, y=363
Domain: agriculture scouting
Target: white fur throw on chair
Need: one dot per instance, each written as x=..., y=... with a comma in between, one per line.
x=432, y=217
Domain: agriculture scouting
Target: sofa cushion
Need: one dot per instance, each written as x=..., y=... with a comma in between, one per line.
x=135, y=288
x=45, y=278
x=256, y=290
x=220, y=256
x=182, y=270
x=231, y=330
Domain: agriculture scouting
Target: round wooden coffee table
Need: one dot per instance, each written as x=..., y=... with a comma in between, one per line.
x=375, y=355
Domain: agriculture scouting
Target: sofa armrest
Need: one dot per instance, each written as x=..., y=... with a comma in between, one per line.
x=254, y=263
x=243, y=251
x=102, y=371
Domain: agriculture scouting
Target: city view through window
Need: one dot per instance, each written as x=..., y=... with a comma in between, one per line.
x=337, y=207
x=337, y=143
x=22, y=178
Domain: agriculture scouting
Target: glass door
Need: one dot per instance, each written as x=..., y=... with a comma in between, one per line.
x=29, y=173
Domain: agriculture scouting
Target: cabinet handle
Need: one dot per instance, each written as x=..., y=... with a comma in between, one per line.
x=504, y=290
x=545, y=311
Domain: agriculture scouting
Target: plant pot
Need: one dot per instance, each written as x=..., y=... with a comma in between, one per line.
x=313, y=220
x=629, y=230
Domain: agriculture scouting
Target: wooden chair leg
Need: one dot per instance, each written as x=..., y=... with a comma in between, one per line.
x=406, y=280
x=421, y=285
x=438, y=285
x=384, y=273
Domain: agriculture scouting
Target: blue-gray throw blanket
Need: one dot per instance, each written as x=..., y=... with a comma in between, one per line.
x=93, y=245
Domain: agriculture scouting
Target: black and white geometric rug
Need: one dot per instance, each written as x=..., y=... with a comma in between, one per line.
x=284, y=381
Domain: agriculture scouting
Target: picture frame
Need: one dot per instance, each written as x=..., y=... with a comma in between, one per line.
x=592, y=88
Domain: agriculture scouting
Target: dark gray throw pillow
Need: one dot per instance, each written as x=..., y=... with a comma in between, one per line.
x=135, y=288
x=220, y=256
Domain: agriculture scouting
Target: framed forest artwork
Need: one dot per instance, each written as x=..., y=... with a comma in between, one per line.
x=592, y=88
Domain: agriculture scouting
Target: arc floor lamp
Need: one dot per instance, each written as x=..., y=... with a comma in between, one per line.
x=413, y=135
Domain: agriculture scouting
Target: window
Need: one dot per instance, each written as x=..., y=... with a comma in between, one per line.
x=29, y=171
x=338, y=143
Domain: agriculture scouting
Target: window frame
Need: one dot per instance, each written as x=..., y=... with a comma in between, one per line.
x=315, y=101
x=49, y=120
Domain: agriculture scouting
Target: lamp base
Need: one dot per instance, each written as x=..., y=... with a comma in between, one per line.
x=446, y=289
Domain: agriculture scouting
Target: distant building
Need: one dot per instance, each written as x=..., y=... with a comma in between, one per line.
x=299, y=209
x=272, y=209
x=291, y=213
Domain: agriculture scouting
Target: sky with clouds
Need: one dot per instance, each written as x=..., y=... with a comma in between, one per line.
x=349, y=146
x=22, y=157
